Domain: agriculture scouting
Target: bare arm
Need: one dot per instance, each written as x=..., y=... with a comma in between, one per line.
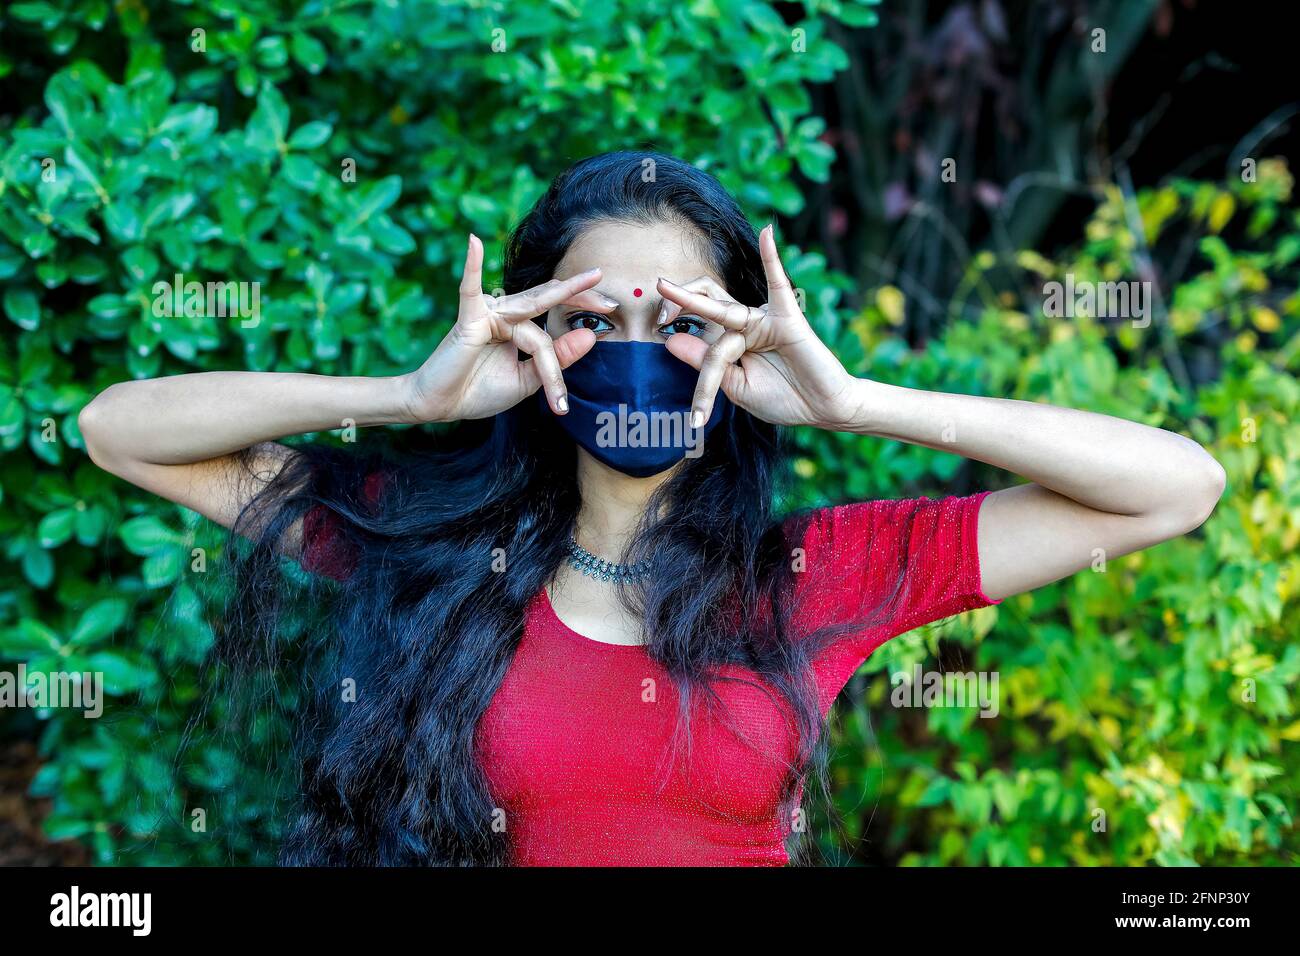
x=179, y=437
x=1098, y=482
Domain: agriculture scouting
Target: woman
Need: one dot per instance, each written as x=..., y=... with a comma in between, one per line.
x=581, y=633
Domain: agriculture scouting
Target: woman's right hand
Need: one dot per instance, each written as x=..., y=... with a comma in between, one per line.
x=476, y=372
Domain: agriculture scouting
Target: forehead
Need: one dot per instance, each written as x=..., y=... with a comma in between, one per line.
x=639, y=252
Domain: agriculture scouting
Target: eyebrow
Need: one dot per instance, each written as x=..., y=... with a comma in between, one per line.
x=652, y=297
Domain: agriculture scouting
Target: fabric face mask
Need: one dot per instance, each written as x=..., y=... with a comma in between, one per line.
x=630, y=407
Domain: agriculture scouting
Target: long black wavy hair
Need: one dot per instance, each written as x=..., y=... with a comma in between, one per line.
x=425, y=624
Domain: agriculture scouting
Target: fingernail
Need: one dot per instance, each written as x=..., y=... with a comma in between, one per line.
x=592, y=271
x=697, y=419
x=472, y=237
x=609, y=300
x=562, y=403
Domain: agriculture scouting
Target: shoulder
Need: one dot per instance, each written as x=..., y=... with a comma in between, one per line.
x=875, y=569
x=906, y=561
x=325, y=549
x=372, y=488
x=890, y=524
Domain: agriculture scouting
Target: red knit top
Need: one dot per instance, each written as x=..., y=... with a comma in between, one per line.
x=581, y=745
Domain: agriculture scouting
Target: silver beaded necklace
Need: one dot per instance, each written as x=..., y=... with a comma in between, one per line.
x=580, y=559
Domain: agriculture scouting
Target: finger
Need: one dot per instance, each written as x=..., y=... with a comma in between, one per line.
x=780, y=291
x=692, y=349
x=545, y=365
x=593, y=301
x=705, y=285
x=471, y=279
x=719, y=356
x=526, y=305
x=572, y=346
x=732, y=315
x=569, y=347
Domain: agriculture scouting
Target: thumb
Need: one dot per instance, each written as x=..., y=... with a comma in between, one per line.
x=572, y=346
x=691, y=349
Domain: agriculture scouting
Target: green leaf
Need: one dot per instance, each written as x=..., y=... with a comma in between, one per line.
x=123, y=221
x=28, y=636
x=162, y=568
x=83, y=170
x=122, y=675
x=310, y=135
x=479, y=209
x=66, y=828
x=38, y=567
x=271, y=52
x=147, y=535
x=936, y=792
x=391, y=237
x=378, y=197
x=192, y=121
x=308, y=51
x=100, y=620
x=56, y=527
x=44, y=13
x=23, y=307
x=302, y=172
x=12, y=413
x=108, y=306
x=269, y=124
x=90, y=525
x=141, y=263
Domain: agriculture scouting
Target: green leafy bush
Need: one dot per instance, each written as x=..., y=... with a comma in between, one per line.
x=1147, y=706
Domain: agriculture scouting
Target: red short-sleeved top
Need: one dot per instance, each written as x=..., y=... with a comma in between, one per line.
x=581, y=744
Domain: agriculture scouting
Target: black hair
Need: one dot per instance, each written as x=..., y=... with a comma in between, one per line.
x=642, y=188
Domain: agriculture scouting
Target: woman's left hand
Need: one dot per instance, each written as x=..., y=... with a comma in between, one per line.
x=768, y=360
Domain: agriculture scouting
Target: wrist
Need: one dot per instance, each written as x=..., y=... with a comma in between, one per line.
x=868, y=407
x=412, y=405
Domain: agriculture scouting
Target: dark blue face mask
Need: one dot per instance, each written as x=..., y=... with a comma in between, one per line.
x=630, y=406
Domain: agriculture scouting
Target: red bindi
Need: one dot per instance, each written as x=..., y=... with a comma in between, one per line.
x=637, y=293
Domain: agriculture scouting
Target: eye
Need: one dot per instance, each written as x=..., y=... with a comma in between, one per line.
x=688, y=324
x=589, y=320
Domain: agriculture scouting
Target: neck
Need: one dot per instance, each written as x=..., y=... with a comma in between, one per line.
x=612, y=506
